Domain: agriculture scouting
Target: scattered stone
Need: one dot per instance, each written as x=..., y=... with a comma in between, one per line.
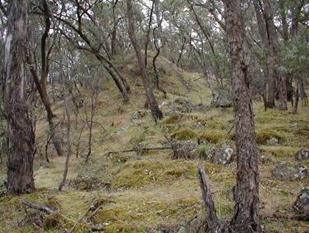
x=224, y=155
x=137, y=115
x=302, y=154
x=289, y=171
x=301, y=205
x=272, y=141
x=216, y=154
x=88, y=183
x=221, y=98
x=183, y=149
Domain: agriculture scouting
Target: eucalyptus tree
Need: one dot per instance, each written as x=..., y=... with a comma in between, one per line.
x=151, y=99
x=246, y=192
x=40, y=68
x=80, y=25
x=20, y=129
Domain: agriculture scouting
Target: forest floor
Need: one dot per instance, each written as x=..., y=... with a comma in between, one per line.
x=150, y=192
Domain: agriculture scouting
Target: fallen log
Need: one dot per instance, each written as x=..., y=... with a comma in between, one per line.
x=43, y=208
x=140, y=150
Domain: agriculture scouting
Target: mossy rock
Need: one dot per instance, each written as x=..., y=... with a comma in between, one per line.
x=58, y=222
x=212, y=136
x=183, y=149
x=289, y=171
x=264, y=135
x=184, y=134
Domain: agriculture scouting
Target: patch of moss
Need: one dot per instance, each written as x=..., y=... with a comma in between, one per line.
x=263, y=135
x=184, y=134
x=57, y=222
x=137, y=135
x=303, y=131
x=53, y=202
x=213, y=136
x=136, y=174
x=172, y=119
x=53, y=221
x=202, y=151
x=279, y=151
x=130, y=212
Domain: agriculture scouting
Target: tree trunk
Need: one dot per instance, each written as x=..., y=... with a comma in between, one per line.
x=114, y=31
x=283, y=94
x=296, y=97
x=246, y=193
x=41, y=87
x=151, y=100
x=20, y=130
x=269, y=35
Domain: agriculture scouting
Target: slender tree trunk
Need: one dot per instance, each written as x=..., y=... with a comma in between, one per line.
x=289, y=87
x=20, y=130
x=159, y=22
x=68, y=153
x=270, y=84
x=90, y=124
x=276, y=79
x=154, y=64
x=41, y=87
x=296, y=97
x=151, y=100
x=69, y=145
x=283, y=94
x=184, y=40
x=246, y=193
x=114, y=31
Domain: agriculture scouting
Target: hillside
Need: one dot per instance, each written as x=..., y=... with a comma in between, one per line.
x=146, y=190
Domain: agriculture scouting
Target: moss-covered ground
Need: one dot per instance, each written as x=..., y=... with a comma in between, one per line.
x=149, y=189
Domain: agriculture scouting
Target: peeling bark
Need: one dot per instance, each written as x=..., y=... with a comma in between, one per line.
x=20, y=130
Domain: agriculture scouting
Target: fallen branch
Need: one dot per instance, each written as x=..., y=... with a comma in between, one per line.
x=137, y=149
x=277, y=216
x=211, y=216
x=36, y=206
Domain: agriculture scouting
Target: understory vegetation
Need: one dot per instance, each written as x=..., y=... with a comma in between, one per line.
x=148, y=191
